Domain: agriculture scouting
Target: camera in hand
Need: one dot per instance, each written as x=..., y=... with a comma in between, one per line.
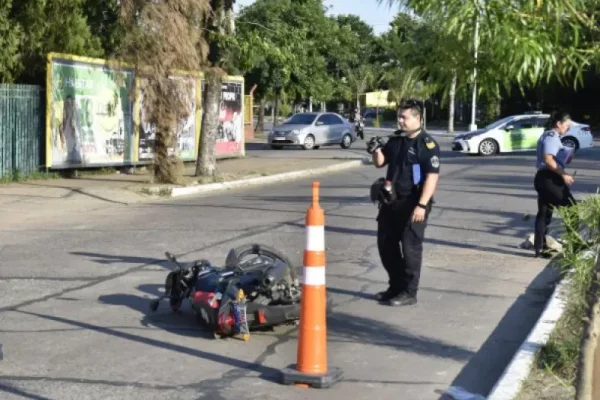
x=374, y=144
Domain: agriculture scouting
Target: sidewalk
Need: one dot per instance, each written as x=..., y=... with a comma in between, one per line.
x=37, y=200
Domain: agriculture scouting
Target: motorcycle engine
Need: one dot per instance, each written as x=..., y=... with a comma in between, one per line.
x=271, y=284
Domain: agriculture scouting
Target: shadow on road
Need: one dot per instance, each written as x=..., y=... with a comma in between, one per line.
x=441, y=242
x=21, y=393
x=183, y=322
x=108, y=259
x=484, y=369
x=345, y=328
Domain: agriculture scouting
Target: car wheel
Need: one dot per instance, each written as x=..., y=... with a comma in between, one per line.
x=309, y=142
x=346, y=141
x=570, y=142
x=488, y=147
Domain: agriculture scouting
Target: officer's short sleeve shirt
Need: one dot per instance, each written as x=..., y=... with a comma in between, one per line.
x=430, y=158
x=549, y=143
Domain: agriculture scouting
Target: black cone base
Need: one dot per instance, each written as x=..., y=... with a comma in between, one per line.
x=291, y=375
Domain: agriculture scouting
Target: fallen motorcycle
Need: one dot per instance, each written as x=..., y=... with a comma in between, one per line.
x=257, y=288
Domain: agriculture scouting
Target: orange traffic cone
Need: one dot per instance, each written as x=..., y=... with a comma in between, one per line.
x=311, y=368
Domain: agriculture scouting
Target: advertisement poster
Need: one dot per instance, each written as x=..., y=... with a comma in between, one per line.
x=230, y=133
x=185, y=130
x=91, y=115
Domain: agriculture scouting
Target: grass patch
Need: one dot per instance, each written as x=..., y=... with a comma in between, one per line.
x=556, y=364
x=17, y=176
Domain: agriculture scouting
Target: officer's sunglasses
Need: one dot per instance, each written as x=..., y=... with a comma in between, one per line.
x=411, y=104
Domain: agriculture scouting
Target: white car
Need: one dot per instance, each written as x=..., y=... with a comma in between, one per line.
x=518, y=133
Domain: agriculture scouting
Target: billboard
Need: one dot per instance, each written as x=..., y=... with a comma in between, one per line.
x=230, y=134
x=187, y=125
x=96, y=117
x=89, y=114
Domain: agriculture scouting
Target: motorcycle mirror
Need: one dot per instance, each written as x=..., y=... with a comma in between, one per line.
x=170, y=256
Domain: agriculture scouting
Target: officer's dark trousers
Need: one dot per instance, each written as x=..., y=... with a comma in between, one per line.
x=400, y=243
x=552, y=192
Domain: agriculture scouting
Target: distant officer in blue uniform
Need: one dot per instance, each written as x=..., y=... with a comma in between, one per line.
x=413, y=160
x=551, y=181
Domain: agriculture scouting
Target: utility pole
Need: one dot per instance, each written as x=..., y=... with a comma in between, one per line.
x=473, y=125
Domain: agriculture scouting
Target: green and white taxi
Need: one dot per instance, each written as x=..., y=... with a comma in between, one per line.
x=518, y=133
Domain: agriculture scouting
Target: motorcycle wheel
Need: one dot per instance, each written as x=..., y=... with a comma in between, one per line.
x=236, y=255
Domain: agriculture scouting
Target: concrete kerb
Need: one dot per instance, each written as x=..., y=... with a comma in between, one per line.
x=262, y=180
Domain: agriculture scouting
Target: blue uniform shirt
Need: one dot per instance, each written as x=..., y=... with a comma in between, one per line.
x=548, y=143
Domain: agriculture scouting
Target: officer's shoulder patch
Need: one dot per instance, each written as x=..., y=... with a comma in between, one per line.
x=435, y=162
x=429, y=142
x=550, y=133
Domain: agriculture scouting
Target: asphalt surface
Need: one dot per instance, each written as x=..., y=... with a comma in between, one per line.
x=356, y=151
x=74, y=294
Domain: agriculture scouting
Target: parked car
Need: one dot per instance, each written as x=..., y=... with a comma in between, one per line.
x=311, y=130
x=518, y=133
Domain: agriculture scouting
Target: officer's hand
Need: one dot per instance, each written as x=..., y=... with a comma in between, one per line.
x=373, y=145
x=418, y=214
x=568, y=179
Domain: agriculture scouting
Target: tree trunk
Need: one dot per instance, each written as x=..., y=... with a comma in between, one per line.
x=276, y=109
x=452, y=97
x=207, y=164
x=273, y=113
x=260, y=123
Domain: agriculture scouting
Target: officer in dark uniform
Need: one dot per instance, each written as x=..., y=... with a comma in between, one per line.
x=413, y=160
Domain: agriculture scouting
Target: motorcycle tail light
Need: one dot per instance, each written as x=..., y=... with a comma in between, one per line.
x=261, y=317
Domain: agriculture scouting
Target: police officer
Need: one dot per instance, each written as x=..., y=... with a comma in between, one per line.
x=412, y=157
x=551, y=182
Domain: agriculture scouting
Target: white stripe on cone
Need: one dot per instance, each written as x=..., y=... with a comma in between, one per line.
x=314, y=276
x=315, y=238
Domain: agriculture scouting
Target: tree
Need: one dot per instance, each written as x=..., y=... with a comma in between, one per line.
x=51, y=26
x=350, y=54
x=527, y=40
x=10, y=36
x=161, y=37
x=359, y=79
x=103, y=19
x=220, y=32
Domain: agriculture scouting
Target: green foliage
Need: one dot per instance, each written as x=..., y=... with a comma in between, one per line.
x=103, y=19
x=10, y=36
x=521, y=41
x=581, y=243
x=293, y=47
x=51, y=26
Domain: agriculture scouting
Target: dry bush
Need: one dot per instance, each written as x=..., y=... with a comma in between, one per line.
x=162, y=37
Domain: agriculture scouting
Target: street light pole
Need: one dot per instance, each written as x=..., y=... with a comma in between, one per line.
x=473, y=125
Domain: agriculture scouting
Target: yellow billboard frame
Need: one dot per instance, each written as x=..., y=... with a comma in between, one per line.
x=199, y=77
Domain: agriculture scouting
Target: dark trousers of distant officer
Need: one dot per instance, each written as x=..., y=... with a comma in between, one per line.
x=400, y=243
x=552, y=192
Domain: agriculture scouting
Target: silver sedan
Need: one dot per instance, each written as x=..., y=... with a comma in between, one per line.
x=312, y=130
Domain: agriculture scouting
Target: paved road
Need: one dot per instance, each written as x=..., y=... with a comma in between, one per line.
x=74, y=295
x=356, y=151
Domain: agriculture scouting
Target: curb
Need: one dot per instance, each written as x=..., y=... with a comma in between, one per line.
x=509, y=384
x=263, y=180
x=584, y=387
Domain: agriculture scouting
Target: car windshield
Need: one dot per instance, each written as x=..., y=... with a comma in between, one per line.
x=300, y=119
x=498, y=123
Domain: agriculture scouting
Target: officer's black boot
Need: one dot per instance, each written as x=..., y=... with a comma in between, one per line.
x=403, y=299
x=387, y=294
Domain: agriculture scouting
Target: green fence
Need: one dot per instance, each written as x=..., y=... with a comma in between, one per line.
x=21, y=129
